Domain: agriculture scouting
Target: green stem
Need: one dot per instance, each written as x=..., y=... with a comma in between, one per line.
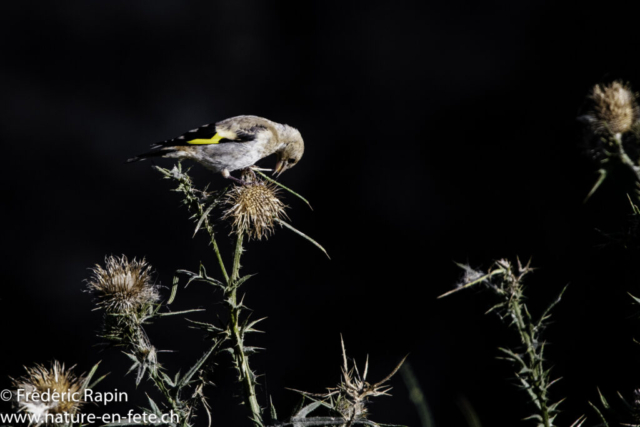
x=624, y=157
x=195, y=206
x=246, y=375
x=159, y=382
x=235, y=272
x=626, y=160
x=536, y=373
x=216, y=249
x=212, y=235
x=141, y=342
x=478, y=280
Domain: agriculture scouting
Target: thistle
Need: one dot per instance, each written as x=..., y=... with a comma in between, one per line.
x=354, y=392
x=612, y=131
x=615, y=109
x=123, y=286
x=253, y=209
x=348, y=400
x=506, y=281
x=56, y=379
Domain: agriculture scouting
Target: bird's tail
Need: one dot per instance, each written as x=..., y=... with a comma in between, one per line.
x=144, y=156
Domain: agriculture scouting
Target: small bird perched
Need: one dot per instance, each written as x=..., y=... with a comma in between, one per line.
x=234, y=144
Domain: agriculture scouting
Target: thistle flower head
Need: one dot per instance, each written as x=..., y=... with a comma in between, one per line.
x=615, y=108
x=469, y=275
x=122, y=285
x=350, y=397
x=40, y=380
x=253, y=208
x=354, y=391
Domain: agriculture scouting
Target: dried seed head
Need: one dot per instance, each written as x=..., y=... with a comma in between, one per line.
x=350, y=410
x=351, y=396
x=122, y=285
x=469, y=275
x=254, y=208
x=57, y=379
x=615, y=109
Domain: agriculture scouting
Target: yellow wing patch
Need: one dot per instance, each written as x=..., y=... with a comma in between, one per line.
x=215, y=139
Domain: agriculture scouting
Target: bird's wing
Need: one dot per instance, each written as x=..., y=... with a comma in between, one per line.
x=212, y=134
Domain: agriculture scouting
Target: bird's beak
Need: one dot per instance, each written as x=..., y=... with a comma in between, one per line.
x=280, y=167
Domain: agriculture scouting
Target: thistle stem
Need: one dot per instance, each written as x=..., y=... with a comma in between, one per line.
x=140, y=342
x=216, y=249
x=536, y=374
x=214, y=243
x=194, y=204
x=237, y=336
x=235, y=329
x=531, y=372
x=235, y=272
x=624, y=157
x=212, y=235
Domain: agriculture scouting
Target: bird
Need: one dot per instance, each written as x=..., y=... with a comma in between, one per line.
x=233, y=144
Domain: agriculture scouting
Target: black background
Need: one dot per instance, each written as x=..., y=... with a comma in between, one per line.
x=435, y=132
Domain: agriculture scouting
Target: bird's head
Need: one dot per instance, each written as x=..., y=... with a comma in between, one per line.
x=291, y=150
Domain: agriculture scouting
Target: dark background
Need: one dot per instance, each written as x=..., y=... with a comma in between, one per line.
x=435, y=132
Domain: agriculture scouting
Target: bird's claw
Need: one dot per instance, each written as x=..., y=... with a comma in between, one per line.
x=248, y=177
x=238, y=180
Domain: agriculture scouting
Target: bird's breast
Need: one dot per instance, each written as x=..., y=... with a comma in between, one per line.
x=231, y=156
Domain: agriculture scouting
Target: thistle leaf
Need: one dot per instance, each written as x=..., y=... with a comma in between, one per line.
x=175, y=313
x=268, y=178
x=301, y=234
x=547, y=312
x=154, y=408
x=174, y=290
x=600, y=415
x=87, y=383
x=195, y=368
x=306, y=410
x=272, y=411
x=602, y=176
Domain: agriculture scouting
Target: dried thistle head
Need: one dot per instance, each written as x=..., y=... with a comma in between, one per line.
x=469, y=275
x=253, y=208
x=354, y=390
x=615, y=108
x=56, y=379
x=122, y=285
x=351, y=396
